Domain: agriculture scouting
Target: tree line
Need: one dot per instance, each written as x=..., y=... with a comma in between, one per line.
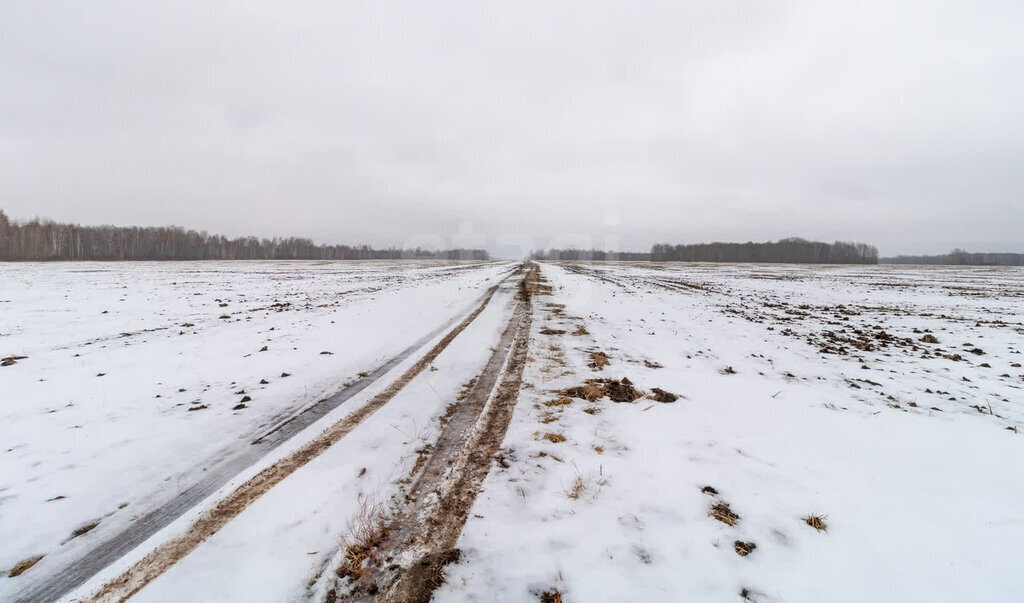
x=793, y=250
x=589, y=255
x=960, y=257
x=39, y=240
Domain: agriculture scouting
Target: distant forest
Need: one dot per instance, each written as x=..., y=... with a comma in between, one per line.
x=47, y=240
x=792, y=250
x=590, y=255
x=959, y=257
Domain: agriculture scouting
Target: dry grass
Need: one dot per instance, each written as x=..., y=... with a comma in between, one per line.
x=817, y=522
x=554, y=438
x=366, y=532
x=560, y=401
x=23, y=566
x=551, y=596
x=581, y=331
x=547, y=331
x=589, y=391
x=743, y=548
x=598, y=360
x=723, y=513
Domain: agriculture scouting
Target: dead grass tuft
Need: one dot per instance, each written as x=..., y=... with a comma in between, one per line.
x=560, y=401
x=547, y=331
x=581, y=331
x=817, y=522
x=366, y=532
x=723, y=513
x=554, y=438
x=22, y=566
x=589, y=391
x=743, y=548
x=598, y=360
x=551, y=596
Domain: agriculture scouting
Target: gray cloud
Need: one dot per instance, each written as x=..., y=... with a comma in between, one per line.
x=526, y=123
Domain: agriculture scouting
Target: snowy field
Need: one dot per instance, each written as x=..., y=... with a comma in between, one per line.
x=677, y=425
x=134, y=374
x=802, y=390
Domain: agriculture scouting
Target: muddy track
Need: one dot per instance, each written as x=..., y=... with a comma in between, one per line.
x=436, y=506
x=167, y=554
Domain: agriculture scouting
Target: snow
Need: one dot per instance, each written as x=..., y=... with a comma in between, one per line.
x=803, y=389
x=920, y=504
x=65, y=428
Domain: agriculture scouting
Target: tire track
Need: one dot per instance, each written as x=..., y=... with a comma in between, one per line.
x=167, y=554
x=429, y=523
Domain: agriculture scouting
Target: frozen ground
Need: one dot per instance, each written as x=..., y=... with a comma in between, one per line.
x=885, y=399
x=134, y=372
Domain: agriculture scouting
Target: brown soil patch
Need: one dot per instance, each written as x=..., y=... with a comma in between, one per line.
x=554, y=438
x=618, y=390
x=660, y=395
x=547, y=331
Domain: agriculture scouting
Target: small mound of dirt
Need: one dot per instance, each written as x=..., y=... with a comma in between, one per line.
x=618, y=390
x=660, y=395
x=621, y=390
x=709, y=490
x=930, y=339
x=551, y=596
x=652, y=365
x=743, y=548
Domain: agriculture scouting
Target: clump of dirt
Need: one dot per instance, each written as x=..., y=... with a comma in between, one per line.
x=743, y=548
x=551, y=596
x=9, y=360
x=547, y=331
x=618, y=390
x=929, y=338
x=728, y=371
x=22, y=566
x=817, y=522
x=723, y=513
x=598, y=360
x=652, y=365
x=709, y=490
x=621, y=390
x=660, y=395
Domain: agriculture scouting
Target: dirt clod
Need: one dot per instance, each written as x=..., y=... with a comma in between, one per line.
x=660, y=395
x=709, y=490
x=929, y=338
x=598, y=360
x=551, y=596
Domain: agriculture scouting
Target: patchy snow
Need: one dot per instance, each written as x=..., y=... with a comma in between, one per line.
x=782, y=420
x=886, y=399
x=95, y=423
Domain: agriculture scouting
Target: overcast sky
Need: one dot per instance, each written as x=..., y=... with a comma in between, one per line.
x=522, y=124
